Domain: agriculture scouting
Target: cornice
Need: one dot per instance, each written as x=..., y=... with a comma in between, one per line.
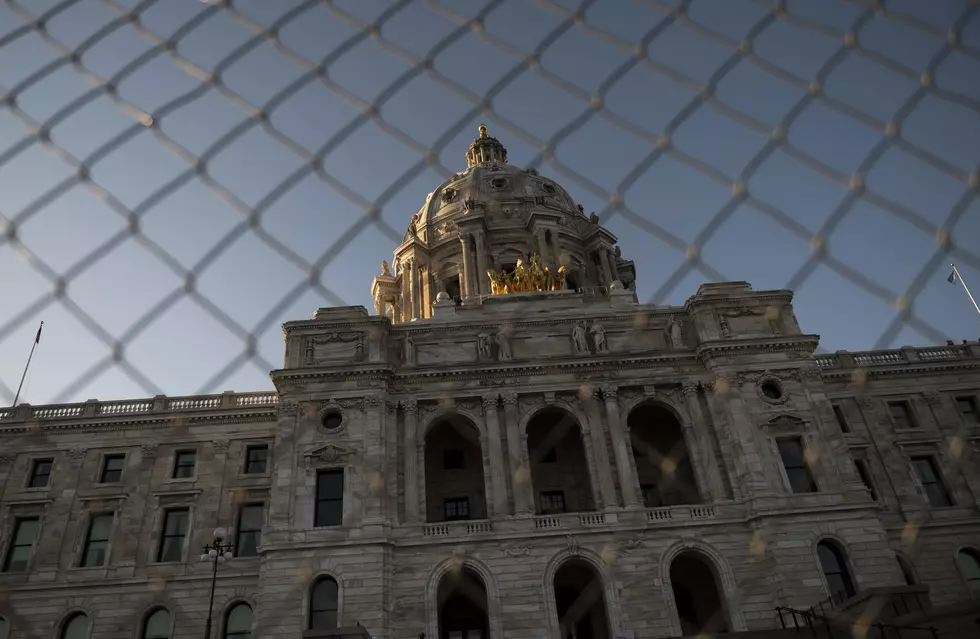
x=695, y=301
x=147, y=422
x=724, y=347
x=900, y=371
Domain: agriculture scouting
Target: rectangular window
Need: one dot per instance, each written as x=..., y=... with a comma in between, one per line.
x=21, y=544
x=901, y=415
x=96, y=549
x=862, y=470
x=552, y=501
x=256, y=459
x=841, y=421
x=650, y=494
x=112, y=468
x=932, y=483
x=967, y=408
x=184, y=463
x=456, y=508
x=175, y=524
x=40, y=473
x=329, y=498
x=453, y=459
x=249, y=531
x=797, y=470
x=549, y=457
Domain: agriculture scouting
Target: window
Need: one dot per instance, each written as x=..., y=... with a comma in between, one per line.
x=456, y=508
x=256, y=459
x=112, y=468
x=329, y=498
x=331, y=420
x=771, y=390
x=323, y=604
x=549, y=457
x=184, y=463
x=40, y=473
x=901, y=415
x=238, y=622
x=156, y=625
x=841, y=420
x=76, y=627
x=650, y=495
x=932, y=483
x=967, y=407
x=969, y=562
x=175, y=524
x=797, y=470
x=834, y=565
x=452, y=459
x=865, y=475
x=907, y=573
x=552, y=501
x=21, y=544
x=249, y=531
x=96, y=550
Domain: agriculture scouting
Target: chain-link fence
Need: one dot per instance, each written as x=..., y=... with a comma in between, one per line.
x=826, y=58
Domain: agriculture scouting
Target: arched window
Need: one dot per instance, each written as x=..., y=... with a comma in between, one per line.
x=969, y=563
x=75, y=627
x=834, y=564
x=323, y=604
x=238, y=622
x=907, y=573
x=4, y=628
x=156, y=624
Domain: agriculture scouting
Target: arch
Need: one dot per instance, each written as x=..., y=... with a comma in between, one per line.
x=908, y=572
x=725, y=581
x=455, y=468
x=157, y=623
x=663, y=461
x=237, y=621
x=968, y=562
x=457, y=563
x=581, y=555
x=629, y=404
x=76, y=625
x=835, y=568
x=699, y=605
x=323, y=609
x=560, y=459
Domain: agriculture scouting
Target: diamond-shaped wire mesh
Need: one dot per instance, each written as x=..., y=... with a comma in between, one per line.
x=703, y=55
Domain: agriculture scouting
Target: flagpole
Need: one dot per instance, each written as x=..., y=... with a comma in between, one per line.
x=33, y=346
x=965, y=288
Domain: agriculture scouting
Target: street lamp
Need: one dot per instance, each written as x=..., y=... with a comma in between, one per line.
x=217, y=553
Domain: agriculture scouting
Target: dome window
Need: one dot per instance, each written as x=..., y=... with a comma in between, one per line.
x=499, y=183
x=448, y=195
x=549, y=189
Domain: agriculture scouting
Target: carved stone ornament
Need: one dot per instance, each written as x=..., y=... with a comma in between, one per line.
x=516, y=551
x=768, y=377
x=573, y=545
x=933, y=398
x=6, y=459
x=632, y=544
x=373, y=401
x=509, y=399
x=865, y=402
x=332, y=407
x=689, y=390
x=288, y=408
x=447, y=227
x=331, y=453
x=489, y=402
x=77, y=454
x=333, y=338
x=220, y=445
x=726, y=330
x=351, y=404
x=448, y=195
x=149, y=450
x=743, y=311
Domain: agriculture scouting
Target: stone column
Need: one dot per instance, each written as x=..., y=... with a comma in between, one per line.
x=379, y=305
x=410, y=410
x=600, y=454
x=520, y=471
x=730, y=453
x=705, y=465
x=628, y=482
x=406, y=301
x=483, y=283
x=375, y=499
x=604, y=266
x=542, y=245
x=464, y=278
x=412, y=272
x=555, y=248
x=498, y=481
x=696, y=447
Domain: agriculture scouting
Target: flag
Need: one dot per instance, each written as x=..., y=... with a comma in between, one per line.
x=37, y=338
x=951, y=279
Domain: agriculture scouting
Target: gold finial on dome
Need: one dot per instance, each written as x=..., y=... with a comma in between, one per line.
x=483, y=131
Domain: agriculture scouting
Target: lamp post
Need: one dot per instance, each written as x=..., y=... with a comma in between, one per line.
x=217, y=553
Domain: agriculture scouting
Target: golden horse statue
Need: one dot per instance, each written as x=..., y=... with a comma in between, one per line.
x=527, y=278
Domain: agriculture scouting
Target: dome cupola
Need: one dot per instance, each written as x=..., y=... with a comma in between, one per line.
x=485, y=149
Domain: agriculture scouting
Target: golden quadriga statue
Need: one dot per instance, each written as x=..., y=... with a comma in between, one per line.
x=527, y=279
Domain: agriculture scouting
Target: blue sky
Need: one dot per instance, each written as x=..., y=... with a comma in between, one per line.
x=123, y=317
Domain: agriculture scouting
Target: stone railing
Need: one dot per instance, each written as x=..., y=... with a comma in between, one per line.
x=457, y=528
x=158, y=404
x=897, y=357
x=675, y=513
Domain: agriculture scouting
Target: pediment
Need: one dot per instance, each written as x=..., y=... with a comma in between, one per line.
x=329, y=453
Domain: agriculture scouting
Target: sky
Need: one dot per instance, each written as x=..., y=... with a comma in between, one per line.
x=163, y=212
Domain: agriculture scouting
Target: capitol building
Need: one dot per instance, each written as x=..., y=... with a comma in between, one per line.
x=511, y=445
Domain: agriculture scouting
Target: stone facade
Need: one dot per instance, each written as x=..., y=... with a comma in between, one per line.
x=603, y=437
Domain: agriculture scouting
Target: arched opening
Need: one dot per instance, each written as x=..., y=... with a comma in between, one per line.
x=453, y=288
x=833, y=562
x=573, y=281
x=907, y=573
x=454, y=485
x=580, y=601
x=663, y=465
x=76, y=627
x=696, y=595
x=238, y=622
x=324, y=600
x=463, y=610
x=968, y=561
x=156, y=624
x=559, y=470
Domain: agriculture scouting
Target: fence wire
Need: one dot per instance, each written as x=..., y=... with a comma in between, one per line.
x=483, y=106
